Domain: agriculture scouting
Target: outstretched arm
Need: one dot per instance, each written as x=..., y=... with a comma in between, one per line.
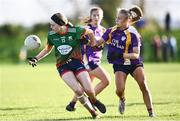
x=93, y=42
x=90, y=33
x=44, y=52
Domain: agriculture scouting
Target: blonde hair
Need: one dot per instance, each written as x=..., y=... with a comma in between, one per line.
x=134, y=13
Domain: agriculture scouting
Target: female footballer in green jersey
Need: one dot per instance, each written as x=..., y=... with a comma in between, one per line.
x=66, y=39
x=93, y=56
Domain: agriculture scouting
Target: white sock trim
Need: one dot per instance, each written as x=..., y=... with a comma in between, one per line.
x=80, y=96
x=85, y=103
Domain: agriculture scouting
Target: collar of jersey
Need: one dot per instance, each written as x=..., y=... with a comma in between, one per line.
x=64, y=32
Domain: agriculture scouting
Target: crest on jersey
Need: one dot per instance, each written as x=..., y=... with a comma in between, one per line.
x=123, y=38
x=70, y=38
x=56, y=39
x=64, y=49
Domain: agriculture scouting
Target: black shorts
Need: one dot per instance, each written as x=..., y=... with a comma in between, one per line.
x=74, y=65
x=92, y=65
x=127, y=69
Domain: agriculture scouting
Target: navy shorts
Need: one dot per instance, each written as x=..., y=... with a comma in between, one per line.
x=74, y=65
x=92, y=65
x=127, y=69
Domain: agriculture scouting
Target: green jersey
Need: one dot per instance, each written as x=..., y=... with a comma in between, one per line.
x=66, y=45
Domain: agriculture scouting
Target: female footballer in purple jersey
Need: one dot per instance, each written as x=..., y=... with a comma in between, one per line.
x=65, y=38
x=94, y=56
x=124, y=53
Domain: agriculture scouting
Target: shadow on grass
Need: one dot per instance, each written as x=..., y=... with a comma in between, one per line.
x=119, y=117
x=113, y=105
x=65, y=119
x=18, y=108
x=132, y=104
x=108, y=117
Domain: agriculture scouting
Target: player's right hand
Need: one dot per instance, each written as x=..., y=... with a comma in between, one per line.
x=32, y=61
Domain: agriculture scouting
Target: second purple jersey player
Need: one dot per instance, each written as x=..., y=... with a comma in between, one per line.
x=94, y=55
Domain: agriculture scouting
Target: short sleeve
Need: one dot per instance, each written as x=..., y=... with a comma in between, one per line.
x=135, y=40
x=80, y=32
x=106, y=35
x=49, y=40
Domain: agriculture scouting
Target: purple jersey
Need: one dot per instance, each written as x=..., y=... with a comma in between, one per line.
x=94, y=55
x=122, y=41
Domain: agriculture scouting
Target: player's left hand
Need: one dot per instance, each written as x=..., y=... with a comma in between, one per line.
x=32, y=61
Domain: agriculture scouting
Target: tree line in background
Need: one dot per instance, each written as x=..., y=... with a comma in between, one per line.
x=156, y=45
x=12, y=40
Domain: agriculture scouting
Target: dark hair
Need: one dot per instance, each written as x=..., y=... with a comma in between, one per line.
x=134, y=13
x=60, y=19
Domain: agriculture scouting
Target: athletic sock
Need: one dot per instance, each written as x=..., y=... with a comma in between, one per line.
x=72, y=103
x=84, y=101
x=151, y=113
x=122, y=99
x=149, y=110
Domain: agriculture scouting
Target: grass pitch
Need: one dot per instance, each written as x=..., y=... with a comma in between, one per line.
x=38, y=94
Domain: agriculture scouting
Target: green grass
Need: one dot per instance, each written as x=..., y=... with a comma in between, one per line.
x=38, y=94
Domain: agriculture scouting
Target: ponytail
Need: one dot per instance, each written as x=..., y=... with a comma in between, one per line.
x=135, y=14
x=85, y=20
